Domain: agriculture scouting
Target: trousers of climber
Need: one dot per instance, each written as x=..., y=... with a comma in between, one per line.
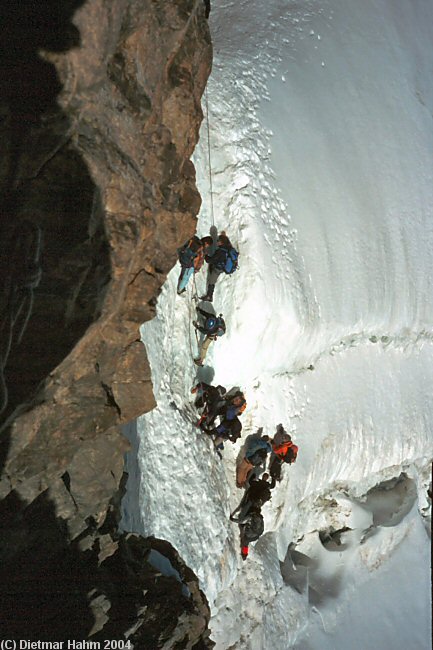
x=191, y=257
x=226, y=430
x=213, y=327
x=223, y=260
x=251, y=524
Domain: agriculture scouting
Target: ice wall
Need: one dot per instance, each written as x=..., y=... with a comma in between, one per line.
x=321, y=133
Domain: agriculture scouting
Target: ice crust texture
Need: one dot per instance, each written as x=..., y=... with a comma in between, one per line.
x=322, y=159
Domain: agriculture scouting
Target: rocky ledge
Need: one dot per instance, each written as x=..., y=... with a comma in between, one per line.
x=100, y=112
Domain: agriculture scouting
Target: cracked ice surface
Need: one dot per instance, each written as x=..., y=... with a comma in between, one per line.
x=321, y=142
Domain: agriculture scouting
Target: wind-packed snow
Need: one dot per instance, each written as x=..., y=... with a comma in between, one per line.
x=321, y=129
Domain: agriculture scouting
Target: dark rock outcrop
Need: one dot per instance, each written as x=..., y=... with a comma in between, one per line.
x=102, y=585
x=99, y=115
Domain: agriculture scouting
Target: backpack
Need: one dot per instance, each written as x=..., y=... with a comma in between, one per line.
x=258, y=457
x=291, y=454
x=215, y=395
x=221, y=330
x=210, y=323
x=230, y=264
x=286, y=451
x=189, y=251
x=253, y=528
x=257, y=444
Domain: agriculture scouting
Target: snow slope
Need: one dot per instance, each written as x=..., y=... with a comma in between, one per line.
x=321, y=147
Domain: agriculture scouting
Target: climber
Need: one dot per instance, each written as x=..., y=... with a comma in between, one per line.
x=227, y=407
x=213, y=326
x=257, y=450
x=257, y=493
x=191, y=258
x=250, y=528
x=223, y=260
x=283, y=451
x=211, y=399
x=250, y=519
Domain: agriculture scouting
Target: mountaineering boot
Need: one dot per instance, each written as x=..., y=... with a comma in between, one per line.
x=208, y=296
x=179, y=293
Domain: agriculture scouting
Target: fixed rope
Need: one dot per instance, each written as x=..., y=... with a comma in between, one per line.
x=190, y=304
x=209, y=157
x=195, y=288
x=196, y=294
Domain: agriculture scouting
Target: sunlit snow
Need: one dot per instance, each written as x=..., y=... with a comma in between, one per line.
x=321, y=128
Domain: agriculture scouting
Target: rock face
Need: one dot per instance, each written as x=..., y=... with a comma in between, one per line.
x=100, y=112
x=100, y=586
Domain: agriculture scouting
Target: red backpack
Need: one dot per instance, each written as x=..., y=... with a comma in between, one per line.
x=287, y=451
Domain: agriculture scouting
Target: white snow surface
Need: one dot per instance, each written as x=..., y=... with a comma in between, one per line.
x=321, y=129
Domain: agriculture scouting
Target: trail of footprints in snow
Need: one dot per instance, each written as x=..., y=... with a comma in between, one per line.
x=397, y=341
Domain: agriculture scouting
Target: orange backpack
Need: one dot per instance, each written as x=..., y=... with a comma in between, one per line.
x=286, y=451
